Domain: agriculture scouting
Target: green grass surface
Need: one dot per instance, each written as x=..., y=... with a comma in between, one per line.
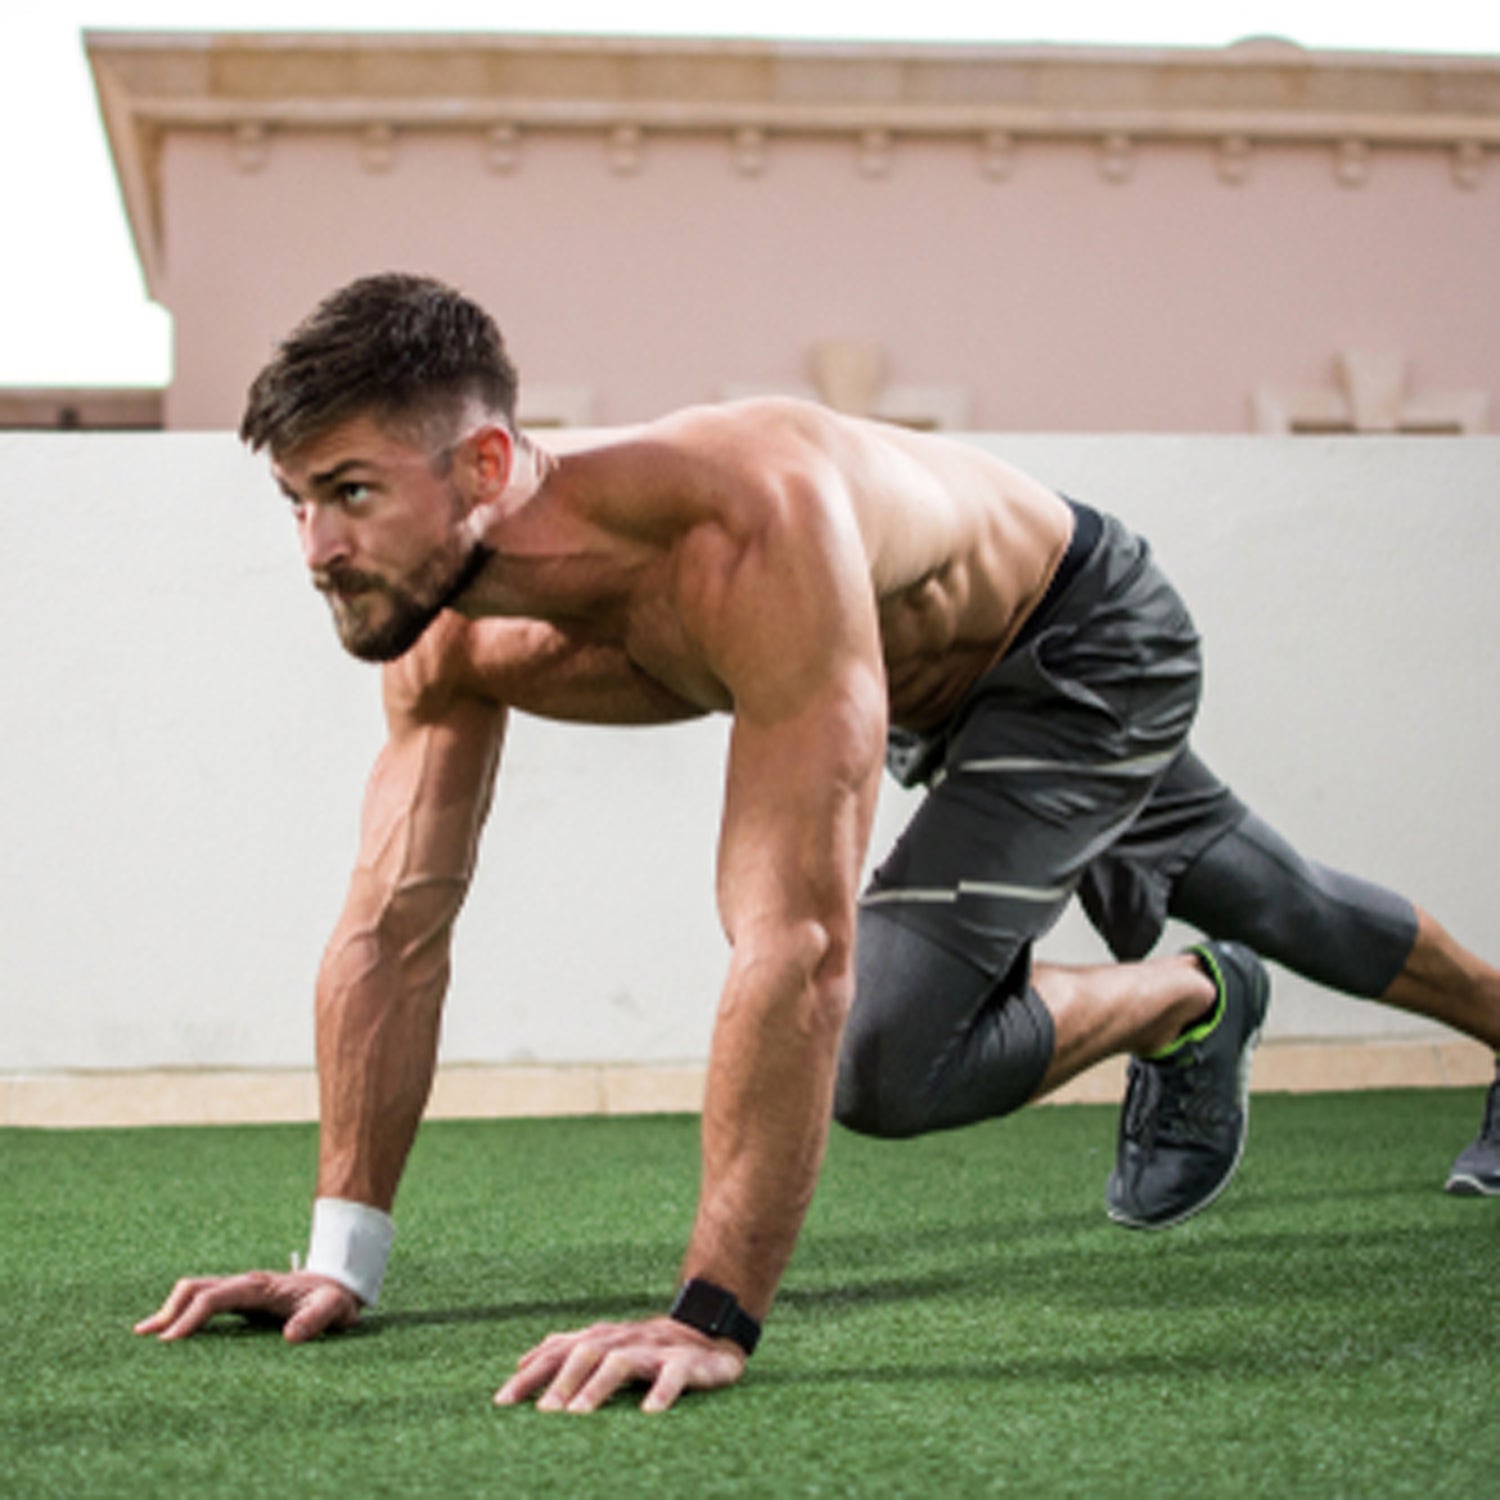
x=960, y=1319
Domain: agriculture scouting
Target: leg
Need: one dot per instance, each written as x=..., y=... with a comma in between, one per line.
x=1191, y=1023
x=1355, y=937
x=946, y=1027
x=1125, y=1008
x=975, y=1048
x=1199, y=854
x=1050, y=760
x=1252, y=886
x=935, y=1040
x=1445, y=981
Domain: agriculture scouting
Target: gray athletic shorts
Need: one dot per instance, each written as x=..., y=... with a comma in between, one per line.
x=1065, y=769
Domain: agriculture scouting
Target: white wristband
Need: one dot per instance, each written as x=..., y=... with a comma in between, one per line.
x=351, y=1243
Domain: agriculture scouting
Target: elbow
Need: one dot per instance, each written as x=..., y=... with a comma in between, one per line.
x=824, y=1007
x=830, y=986
x=828, y=1009
x=807, y=971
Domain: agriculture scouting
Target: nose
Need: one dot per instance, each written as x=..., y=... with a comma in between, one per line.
x=324, y=537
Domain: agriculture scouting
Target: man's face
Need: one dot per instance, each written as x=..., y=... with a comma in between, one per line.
x=381, y=526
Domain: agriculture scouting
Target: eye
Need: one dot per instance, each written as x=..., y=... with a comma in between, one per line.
x=354, y=494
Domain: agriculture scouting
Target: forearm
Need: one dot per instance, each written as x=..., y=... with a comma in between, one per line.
x=765, y=1121
x=378, y=1015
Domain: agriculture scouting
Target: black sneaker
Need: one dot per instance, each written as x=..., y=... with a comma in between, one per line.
x=1476, y=1172
x=1186, y=1113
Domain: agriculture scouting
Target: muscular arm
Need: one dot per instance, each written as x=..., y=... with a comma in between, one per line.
x=380, y=993
x=781, y=605
x=794, y=636
x=385, y=971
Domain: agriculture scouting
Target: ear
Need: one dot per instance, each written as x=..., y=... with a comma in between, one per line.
x=483, y=464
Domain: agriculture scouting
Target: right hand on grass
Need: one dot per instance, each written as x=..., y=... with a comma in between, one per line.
x=304, y=1304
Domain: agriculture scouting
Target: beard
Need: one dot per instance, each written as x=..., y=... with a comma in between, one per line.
x=378, y=620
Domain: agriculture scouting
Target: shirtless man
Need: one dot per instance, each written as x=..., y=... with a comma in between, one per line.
x=845, y=591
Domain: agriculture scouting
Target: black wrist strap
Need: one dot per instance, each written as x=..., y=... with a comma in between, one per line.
x=712, y=1310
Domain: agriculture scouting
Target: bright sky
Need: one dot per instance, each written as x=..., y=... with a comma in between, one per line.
x=72, y=307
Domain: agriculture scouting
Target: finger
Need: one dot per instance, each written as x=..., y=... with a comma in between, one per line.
x=201, y=1300
x=557, y=1346
x=177, y=1299
x=570, y=1379
x=671, y=1381
x=552, y=1350
x=533, y=1371
x=616, y=1369
x=204, y=1300
x=520, y=1387
x=536, y=1367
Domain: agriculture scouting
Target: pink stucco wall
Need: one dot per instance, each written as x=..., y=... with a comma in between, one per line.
x=1062, y=301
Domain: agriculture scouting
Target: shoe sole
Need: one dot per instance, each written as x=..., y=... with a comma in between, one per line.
x=1127, y=1222
x=1462, y=1185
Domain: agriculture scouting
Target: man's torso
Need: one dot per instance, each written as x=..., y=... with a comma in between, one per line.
x=608, y=572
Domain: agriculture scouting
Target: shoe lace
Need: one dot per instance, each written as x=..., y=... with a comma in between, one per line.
x=1172, y=1102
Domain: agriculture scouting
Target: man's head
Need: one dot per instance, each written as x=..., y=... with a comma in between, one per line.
x=407, y=351
x=389, y=416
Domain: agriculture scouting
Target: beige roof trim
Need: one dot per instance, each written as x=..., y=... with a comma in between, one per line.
x=1256, y=91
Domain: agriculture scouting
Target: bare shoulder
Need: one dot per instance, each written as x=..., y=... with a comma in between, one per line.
x=721, y=463
x=438, y=674
x=783, y=423
x=779, y=438
x=772, y=472
x=913, y=495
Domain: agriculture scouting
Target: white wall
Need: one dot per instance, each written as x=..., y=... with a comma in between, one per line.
x=185, y=746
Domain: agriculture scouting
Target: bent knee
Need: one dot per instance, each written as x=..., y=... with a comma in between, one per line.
x=867, y=1099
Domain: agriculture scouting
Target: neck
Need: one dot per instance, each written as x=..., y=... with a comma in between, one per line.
x=531, y=470
x=477, y=561
x=525, y=541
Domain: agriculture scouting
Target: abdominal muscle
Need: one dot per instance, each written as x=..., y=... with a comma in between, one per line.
x=939, y=633
x=962, y=547
x=943, y=632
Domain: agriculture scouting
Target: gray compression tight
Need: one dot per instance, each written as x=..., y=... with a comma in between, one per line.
x=1337, y=930
x=936, y=1041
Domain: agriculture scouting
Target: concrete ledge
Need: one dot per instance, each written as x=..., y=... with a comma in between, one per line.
x=224, y=1097
x=1311, y=1067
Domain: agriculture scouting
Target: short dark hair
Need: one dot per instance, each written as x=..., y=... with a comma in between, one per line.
x=404, y=349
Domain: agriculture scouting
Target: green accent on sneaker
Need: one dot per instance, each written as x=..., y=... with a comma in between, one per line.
x=1206, y=1026
x=1184, y=1120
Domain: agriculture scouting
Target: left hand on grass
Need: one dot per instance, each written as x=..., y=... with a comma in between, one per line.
x=303, y=1303
x=579, y=1372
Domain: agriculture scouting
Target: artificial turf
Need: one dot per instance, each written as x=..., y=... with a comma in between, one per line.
x=960, y=1319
